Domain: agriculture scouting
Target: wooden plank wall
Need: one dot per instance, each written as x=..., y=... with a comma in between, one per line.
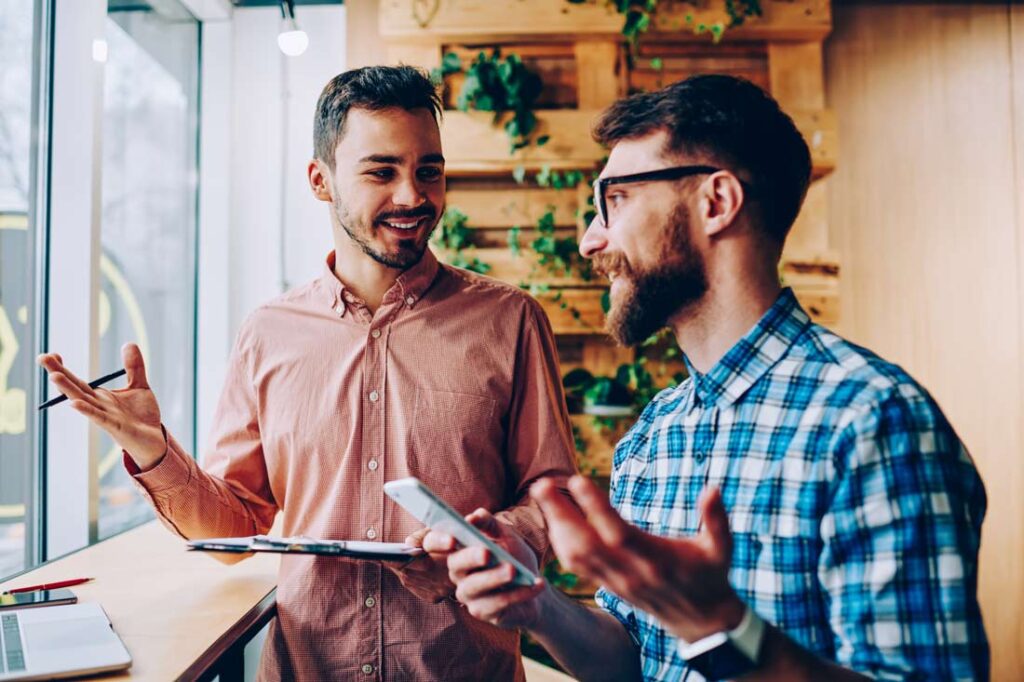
x=928, y=212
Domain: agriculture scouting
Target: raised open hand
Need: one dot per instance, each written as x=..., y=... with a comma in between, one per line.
x=131, y=415
x=684, y=582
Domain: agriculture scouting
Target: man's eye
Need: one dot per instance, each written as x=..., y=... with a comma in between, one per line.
x=430, y=173
x=383, y=173
x=616, y=198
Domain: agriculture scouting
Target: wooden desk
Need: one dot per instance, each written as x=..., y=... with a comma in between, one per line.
x=182, y=615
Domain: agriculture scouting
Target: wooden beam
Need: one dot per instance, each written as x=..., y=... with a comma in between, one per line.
x=810, y=230
x=575, y=312
x=473, y=143
x=490, y=21
x=819, y=130
x=512, y=206
x=522, y=268
x=598, y=74
x=783, y=20
x=796, y=75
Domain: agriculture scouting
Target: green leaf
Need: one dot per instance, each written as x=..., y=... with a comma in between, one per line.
x=657, y=64
x=513, y=241
x=451, y=63
x=519, y=174
x=543, y=178
x=542, y=140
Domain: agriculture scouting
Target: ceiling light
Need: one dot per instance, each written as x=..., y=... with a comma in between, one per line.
x=292, y=40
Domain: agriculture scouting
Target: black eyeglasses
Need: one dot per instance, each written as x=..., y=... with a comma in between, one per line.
x=675, y=173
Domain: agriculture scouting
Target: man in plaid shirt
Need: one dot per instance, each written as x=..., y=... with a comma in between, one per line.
x=798, y=508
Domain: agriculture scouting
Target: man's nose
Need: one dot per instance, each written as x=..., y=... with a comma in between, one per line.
x=595, y=239
x=408, y=193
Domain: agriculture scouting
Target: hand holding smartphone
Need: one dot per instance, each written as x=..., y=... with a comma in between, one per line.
x=420, y=501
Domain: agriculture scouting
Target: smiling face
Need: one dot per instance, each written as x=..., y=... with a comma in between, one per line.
x=387, y=187
x=647, y=249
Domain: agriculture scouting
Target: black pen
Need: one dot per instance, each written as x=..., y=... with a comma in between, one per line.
x=92, y=384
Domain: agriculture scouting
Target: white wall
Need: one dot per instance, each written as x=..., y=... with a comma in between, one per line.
x=271, y=142
x=257, y=131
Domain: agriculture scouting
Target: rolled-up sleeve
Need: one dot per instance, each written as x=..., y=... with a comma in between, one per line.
x=539, y=434
x=900, y=558
x=231, y=495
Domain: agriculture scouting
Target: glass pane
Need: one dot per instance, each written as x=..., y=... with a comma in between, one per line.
x=148, y=222
x=16, y=300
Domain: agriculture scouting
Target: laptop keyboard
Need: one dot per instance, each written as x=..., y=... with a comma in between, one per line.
x=13, y=658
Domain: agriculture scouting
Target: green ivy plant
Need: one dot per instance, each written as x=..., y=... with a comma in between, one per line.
x=633, y=386
x=638, y=15
x=500, y=85
x=453, y=235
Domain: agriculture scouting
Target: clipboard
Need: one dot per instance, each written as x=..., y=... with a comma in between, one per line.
x=352, y=549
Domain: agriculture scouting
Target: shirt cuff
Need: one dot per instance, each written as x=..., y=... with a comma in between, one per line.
x=173, y=471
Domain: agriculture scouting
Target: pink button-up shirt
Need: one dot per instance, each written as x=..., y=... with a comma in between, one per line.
x=453, y=380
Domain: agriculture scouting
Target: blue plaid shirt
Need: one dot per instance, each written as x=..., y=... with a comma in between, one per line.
x=855, y=509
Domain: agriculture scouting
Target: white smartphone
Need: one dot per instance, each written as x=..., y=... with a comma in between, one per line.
x=431, y=511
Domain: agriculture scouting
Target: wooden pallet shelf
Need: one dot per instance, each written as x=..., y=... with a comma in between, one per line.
x=522, y=268
x=600, y=444
x=563, y=311
x=525, y=20
x=475, y=145
x=503, y=205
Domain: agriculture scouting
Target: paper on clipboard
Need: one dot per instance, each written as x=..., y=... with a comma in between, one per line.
x=353, y=549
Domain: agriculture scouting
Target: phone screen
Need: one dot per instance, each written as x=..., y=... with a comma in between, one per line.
x=21, y=600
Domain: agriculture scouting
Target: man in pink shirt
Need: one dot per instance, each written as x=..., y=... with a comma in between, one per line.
x=388, y=365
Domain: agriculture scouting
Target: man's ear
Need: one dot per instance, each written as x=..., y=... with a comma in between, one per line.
x=319, y=180
x=721, y=198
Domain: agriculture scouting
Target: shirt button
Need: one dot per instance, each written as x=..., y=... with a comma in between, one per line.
x=371, y=534
x=410, y=300
x=372, y=465
x=375, y=333
x=374, y=396
x=370, y=602
x=367, y=668
x=699, y=456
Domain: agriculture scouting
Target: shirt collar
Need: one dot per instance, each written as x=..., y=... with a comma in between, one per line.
x=410, y=285
x=753, y=355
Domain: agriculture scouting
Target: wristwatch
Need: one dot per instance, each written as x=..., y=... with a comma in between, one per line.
x=729, y=654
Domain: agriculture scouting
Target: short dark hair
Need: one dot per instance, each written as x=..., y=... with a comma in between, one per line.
x=371, y=87
x=733, y=122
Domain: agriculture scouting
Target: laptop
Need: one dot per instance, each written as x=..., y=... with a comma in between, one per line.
x=59, y=641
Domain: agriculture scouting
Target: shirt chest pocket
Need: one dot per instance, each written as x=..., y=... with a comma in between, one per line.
x=455, y=437
x=778, y=568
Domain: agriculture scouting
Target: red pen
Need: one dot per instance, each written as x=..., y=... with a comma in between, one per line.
x=50, y=586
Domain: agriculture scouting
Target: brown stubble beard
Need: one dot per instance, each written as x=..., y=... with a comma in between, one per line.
x=410, y=251
x=652, y=297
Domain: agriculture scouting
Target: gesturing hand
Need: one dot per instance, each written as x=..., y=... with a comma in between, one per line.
x=130, y=415
x=683, y=582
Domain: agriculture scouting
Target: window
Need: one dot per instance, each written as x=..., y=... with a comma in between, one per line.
x=112, y=223
x=17, y=309
x=148, y=226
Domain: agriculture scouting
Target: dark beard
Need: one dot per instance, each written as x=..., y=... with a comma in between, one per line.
x=655, y=295
x=410, y=253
